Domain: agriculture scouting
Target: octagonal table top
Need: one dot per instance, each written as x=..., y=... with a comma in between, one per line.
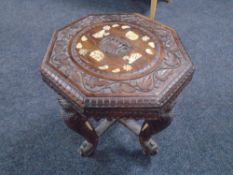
x=117, y=60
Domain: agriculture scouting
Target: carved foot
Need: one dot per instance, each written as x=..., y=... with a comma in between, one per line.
x=81, y=125
x=86, y=149
x=150, y=147
x=149, y=128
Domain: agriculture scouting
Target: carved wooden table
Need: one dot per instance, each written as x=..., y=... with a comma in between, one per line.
x=116, y=67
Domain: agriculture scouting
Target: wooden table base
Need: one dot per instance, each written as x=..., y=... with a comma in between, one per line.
x=82, y=126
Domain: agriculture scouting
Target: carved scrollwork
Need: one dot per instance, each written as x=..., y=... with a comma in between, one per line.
x=157, y=37
x=94, y=84
x=171, y=61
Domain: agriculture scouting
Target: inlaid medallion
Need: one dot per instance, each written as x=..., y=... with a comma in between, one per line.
x=116, y=51
x=115, y=46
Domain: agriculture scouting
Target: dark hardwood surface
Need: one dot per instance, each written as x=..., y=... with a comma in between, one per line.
x=117, y=62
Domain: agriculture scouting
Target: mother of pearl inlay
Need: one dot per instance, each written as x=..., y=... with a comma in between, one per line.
x=84, y=38
x=132, y=58
x=83, y=52
x=149, y=51
x=151, y=44
x=131, y=35
x=127, y=67
x=97, y=55
x=106, y=27
x=101, y=34
x=145, y=38
x=105, y=67
x=125, y=27
x=99, y=46
x=79, y=46
x=115, y=25
x=116, y=70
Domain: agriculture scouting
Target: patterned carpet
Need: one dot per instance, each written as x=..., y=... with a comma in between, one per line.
x=33, y=138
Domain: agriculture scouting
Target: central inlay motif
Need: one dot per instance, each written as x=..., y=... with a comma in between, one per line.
x=116, y=51
x=115, y=46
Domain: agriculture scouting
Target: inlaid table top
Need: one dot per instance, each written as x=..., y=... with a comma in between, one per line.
x=112, y=65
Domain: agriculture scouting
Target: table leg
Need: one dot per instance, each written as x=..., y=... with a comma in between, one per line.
x=81, y=125
x=136, y=129
x=100, y=129
x=149, y=128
